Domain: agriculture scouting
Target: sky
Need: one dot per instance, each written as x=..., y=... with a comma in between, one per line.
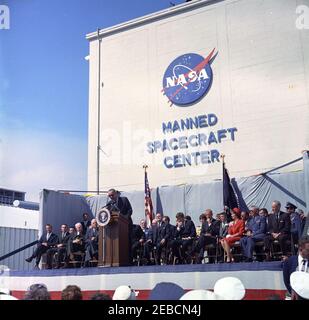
x=44, y=88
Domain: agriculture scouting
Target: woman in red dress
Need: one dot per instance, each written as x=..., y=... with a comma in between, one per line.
x=235, y=232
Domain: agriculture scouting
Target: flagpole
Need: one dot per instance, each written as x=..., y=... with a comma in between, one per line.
x=222, y=156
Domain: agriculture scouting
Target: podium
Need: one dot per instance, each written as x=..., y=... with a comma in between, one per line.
x=114, y=242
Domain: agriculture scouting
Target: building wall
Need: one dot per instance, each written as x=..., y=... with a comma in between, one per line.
x=260, y=86
x=12, y=239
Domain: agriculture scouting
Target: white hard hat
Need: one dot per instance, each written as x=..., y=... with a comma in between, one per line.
x=124, y=293
x=198, y=295
x=229, y=288
x=300, y=283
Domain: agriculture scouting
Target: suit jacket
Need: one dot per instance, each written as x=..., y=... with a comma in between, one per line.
x=124, y=206
x=166, y=232
x=92, y=233
x=258, y=227
x=296, y=227
x=282, y=226
x=223, y=228
x=51, y=242
x=213, y=228
x=289, y=266
x=86, y=225
x=74, y=236
x=237, y=229
x=187, y=230
x=137, y=233
x=65, y=239
x=152, y=234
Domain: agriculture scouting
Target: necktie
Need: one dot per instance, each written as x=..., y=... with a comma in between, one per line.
x=303, y=266
x=62, y=235
x=47, y=236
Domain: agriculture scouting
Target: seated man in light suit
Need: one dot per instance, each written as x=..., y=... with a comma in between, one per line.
x=48, y=240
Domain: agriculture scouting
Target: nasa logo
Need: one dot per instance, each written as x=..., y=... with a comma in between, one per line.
x=188, y=78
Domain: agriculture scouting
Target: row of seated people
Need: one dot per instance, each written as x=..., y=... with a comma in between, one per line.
x=246, y=228
x=182, y=241
x=61, y=249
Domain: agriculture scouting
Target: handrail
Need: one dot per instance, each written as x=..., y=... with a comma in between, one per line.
x=19, y=250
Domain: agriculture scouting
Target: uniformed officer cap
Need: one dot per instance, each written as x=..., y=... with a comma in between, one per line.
x=290, y=205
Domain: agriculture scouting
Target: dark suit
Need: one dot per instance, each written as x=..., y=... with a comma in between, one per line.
x=180, y=244
x=137, y=235
x=51, y=242
x=86, y=225
x=289, y=266
x=151, y=240
x=165, y=232
x=91, y=245
x=123, y=205
x=212, y=231
x=75, y=247
x=282, y=226
x=61, y=251
x=223, y=229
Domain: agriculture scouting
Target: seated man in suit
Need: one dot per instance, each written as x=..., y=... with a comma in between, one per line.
x=254, y=232
x=91, y=242
x=138, y=238
x=60, y=249
x=184, y=236
x=165, y=235
x=297, y=263
x=76, y=242
x=278, y=228
x=223, y=229
x=208, y=235
x=48, y=240
x=151, y=240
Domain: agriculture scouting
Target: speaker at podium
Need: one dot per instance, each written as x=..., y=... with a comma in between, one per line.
x=113, y=238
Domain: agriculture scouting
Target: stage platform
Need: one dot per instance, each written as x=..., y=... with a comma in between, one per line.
x=260, y=279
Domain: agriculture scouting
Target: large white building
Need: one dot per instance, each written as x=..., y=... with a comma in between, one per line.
x=161, y=103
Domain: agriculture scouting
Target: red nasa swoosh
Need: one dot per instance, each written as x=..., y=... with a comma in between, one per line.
x=198, y=68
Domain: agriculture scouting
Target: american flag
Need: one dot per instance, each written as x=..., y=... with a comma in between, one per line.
x=148, y=202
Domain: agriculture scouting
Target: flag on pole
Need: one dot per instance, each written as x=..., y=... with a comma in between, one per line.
x=148, y=201
x=230, y=198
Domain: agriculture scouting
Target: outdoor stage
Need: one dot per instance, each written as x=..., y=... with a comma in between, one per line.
x=260, y=279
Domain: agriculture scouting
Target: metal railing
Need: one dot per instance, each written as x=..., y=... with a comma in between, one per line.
x=19, y=250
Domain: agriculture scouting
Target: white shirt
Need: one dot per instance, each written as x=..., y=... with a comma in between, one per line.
x=47, y=236
x=300, y=264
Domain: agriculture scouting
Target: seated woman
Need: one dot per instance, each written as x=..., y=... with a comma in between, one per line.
x=235, y=232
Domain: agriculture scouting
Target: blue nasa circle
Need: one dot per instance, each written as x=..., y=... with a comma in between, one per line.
x=182, y=84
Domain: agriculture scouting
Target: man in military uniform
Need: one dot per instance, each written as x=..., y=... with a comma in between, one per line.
x=296, y=227
x=255, y=232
